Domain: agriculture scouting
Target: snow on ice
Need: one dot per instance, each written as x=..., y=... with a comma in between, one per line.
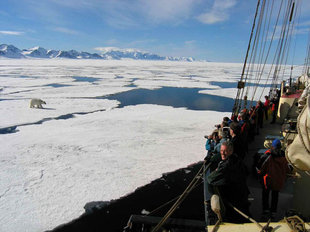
x=81, y=147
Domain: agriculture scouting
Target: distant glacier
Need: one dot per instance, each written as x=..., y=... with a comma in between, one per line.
x=10, y=51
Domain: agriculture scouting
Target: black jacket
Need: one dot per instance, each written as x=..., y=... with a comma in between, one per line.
x=229, y=181
x=239, y=146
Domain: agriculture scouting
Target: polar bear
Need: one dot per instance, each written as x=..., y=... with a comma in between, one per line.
x=36, y=102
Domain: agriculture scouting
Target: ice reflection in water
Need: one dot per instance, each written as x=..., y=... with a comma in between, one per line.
x=175, y=97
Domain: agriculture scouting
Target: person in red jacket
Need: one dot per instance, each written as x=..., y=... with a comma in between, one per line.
x=266, y=107
x=274, y=108
x=272, y=169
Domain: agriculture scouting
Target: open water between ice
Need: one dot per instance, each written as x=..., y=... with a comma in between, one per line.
x=189, y=98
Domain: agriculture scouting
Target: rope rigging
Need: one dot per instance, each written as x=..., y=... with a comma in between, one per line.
x=189, y=188
x=282, y=45
x=254, y=49
x=264, y=34
x=263, y=43
x=236, y=107
x=307, y=59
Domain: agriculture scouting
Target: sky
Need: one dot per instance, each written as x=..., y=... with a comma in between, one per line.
x=213, y=30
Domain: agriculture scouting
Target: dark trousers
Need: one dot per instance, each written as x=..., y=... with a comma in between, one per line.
x=274, y=199
x=274, y=116
x=266, y=114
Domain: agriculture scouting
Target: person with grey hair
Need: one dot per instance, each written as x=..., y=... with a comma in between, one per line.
x=216, y=152
x=223, y=137
x=228, y=180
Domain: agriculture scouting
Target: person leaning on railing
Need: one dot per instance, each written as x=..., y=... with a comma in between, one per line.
x=228, y=181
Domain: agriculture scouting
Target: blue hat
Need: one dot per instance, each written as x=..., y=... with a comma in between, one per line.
x=276, y=143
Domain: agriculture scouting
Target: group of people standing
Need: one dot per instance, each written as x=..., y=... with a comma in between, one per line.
x=226, y=150
x=227, y=177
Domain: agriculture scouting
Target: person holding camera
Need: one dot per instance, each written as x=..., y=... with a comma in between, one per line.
x=212, y=140
x=223, y=135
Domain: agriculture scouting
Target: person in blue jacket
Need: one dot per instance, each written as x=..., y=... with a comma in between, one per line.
x=211, y=142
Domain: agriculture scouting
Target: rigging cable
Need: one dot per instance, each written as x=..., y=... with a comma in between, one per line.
x=270, y=46
x=292, y=37
x=290, y=29
x=288, y=38
x=254, y=50
x=261, y=64
x=307, y=59
x=237, y=99
x=189, y=188
x=282, y=45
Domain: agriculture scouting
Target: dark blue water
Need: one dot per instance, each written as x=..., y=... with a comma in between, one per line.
x=132, y=83
x=224, y=84
x=175, y=97
x=86, y=79
x=234, y=84
x=23, y=76
x=57, y=85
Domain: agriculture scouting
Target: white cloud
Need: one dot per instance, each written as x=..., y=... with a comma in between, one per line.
x=112, y=41
x=224, y=4
x=190, y=42
x=66, y=30
x=305, y=8
x=128, y=14
x=142, y=43
x=299, y=29
x=167, y=11
x=212, y=17
x=218, y=13
x=123, y=13
x=304, y=24
x=11, y=32
x=119, y=19
x=3, y=13
x=107, y=49
x=302, y=31
x=74, y=3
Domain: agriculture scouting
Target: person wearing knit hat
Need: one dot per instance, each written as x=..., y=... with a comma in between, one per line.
x=272, y=169
x=276, y=143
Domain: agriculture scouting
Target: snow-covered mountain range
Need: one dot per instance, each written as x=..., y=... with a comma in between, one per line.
x=10, y=51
